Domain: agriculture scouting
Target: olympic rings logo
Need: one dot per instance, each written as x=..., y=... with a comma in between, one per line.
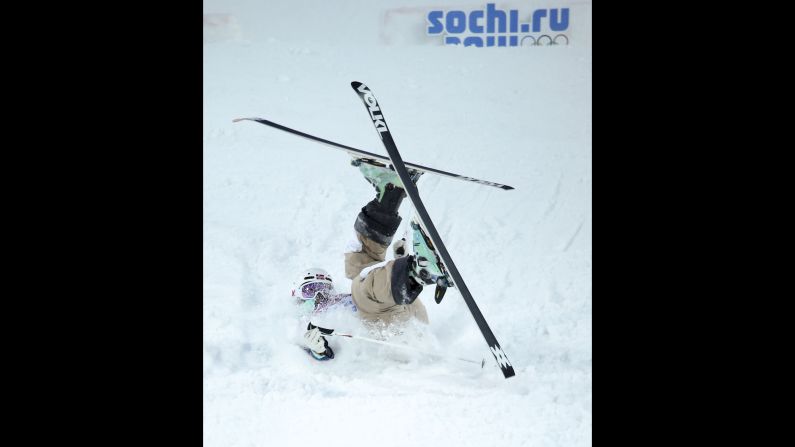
x=544, y=39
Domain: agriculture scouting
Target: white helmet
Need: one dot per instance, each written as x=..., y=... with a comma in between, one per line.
x=311, y=282
x=314, y=275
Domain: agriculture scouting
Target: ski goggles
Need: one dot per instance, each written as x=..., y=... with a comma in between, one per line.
x=315, y=296
x=311, y=290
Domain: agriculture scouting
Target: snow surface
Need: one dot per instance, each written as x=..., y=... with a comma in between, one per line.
x=275, y=204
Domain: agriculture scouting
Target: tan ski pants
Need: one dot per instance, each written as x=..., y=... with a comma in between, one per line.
x=373, y=293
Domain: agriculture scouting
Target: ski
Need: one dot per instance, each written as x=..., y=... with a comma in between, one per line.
x=377, y=117
x=370, y=157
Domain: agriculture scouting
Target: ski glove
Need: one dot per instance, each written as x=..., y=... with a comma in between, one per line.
x=316, y=344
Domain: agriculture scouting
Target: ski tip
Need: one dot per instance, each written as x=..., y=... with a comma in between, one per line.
x=246, y=119
x=507, y=188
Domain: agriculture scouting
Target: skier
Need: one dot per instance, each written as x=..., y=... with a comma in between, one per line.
x=381, y=291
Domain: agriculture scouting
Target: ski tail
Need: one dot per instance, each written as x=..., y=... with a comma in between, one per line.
x=369, y=156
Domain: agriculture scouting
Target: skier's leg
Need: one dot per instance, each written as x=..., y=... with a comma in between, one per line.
x=377, y=221
x=362, y=253
x=381, y=290
x=375, y=227
x=388, y=294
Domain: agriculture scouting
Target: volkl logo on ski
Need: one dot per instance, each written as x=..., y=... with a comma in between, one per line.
x=372, y=106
